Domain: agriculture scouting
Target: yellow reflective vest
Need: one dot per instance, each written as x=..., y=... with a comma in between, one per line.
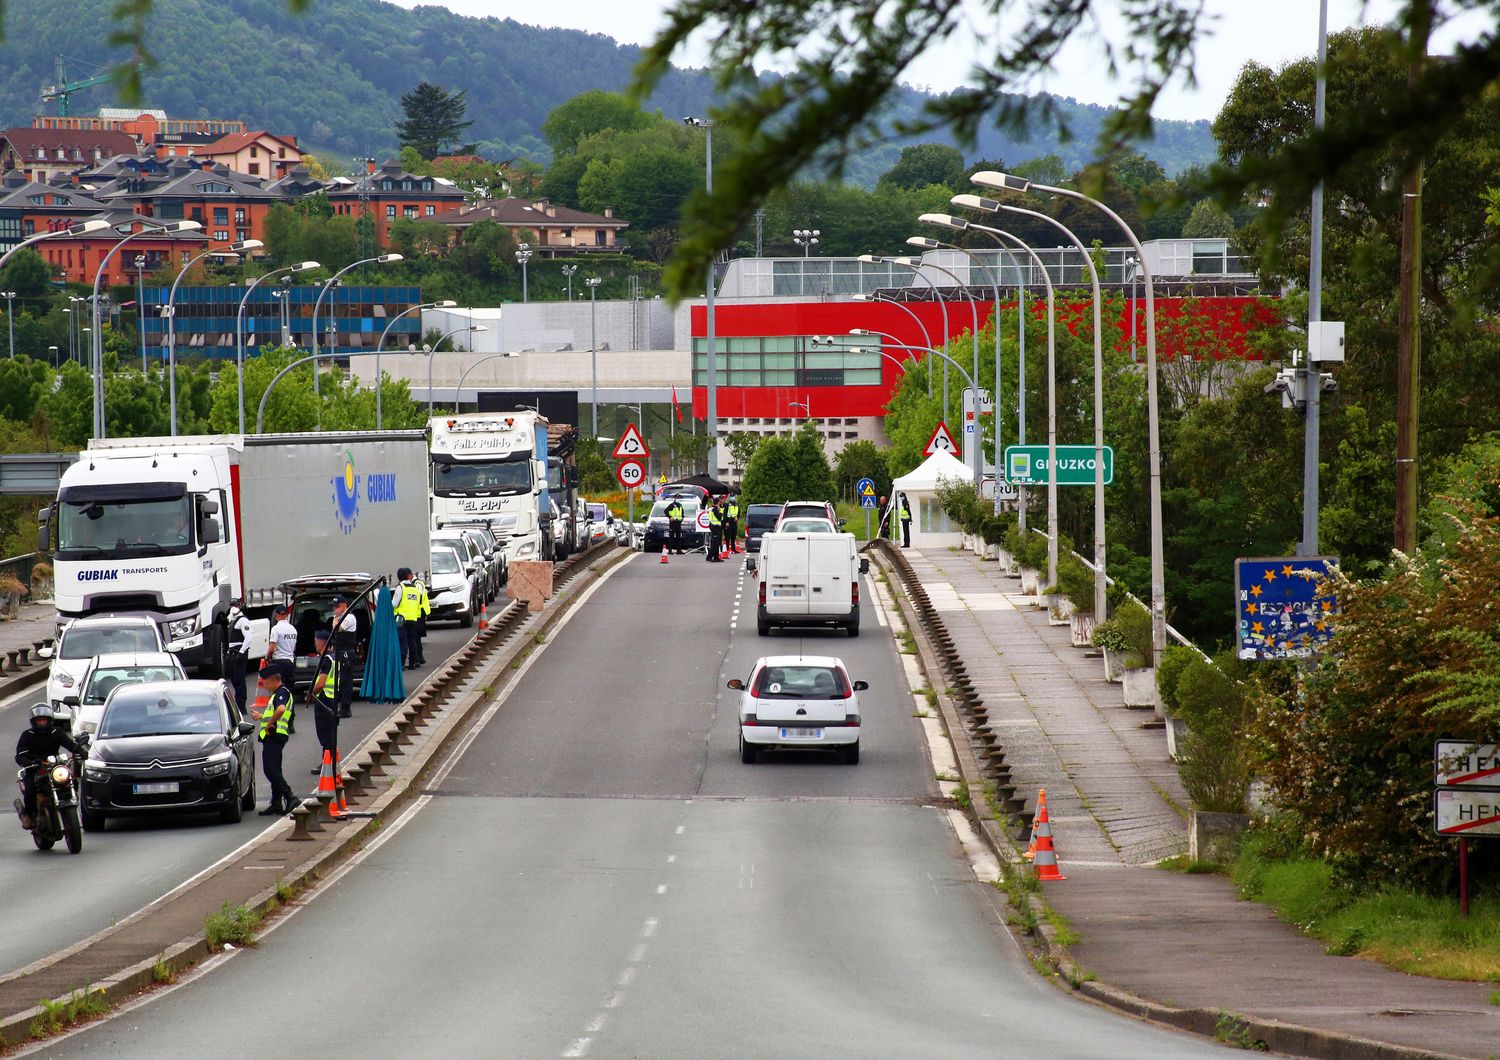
x=282, y=701
x=409, y=603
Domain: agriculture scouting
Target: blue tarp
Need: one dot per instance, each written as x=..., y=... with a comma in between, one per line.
x=384, y=680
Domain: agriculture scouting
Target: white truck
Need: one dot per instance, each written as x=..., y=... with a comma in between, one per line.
x=491, y=468
x=176, y=528
x=808, y=579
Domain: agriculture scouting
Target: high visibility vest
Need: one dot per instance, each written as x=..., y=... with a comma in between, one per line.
x=713, y=517
x=674, y=511
x=905, y=511
x=733, y=511
x=281, y=700
x=330, y=685
x=426, y=603
x=409, y=604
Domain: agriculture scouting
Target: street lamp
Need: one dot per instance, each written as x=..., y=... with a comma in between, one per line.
x=465, y=373
x=443, y=304
x=523, y=255
x=332, y=282
x=82, y=228
x=1007, y=182
x=52, y=356
x=147, y=228
x=924, y=243
x=931, y=350
x=10, y=318
x=905, y=263
x=805, y=406
x=806, y=239
x=711, y=412
x=568, y=271
x=239, y=328
x=592, y=283
x=432, y=356
x=140, y=306
x=169, y=314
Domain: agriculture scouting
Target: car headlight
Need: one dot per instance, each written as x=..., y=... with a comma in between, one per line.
x=526, y=549
x=217, y=765
x=183, y=627
x=65, y=680
x=97, y=773
x=62, y=775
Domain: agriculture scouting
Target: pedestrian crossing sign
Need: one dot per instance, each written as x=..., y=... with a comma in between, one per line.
x=865, y=487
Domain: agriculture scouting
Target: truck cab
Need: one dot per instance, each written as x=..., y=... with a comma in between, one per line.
x=491, y=468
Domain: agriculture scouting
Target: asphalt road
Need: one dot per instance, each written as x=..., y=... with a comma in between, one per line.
x=599, y=875
x=134, y=862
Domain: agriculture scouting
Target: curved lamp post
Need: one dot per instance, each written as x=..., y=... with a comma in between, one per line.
x=148, y=228
x=169, y=314
x=432, y=356
x=522, y=257
x=239, y=324
x=465, y=373
x=924, y=243
x=826, y=342
x=82, y=228
x=592, y=283
x=260, y=412
x=1006, y=182
x=379, y=346
x=332, y=282
x=876, y=259
x=926, y=335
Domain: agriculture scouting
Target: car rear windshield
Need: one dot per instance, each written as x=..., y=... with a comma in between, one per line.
x=807, y=526
x=104, y=680
x=180, y=714
x=104, y=640
x=759, y=518
x=801, y=682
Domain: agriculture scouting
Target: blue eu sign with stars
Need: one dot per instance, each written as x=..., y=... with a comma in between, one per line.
x=865, y=488
x=1285, y=606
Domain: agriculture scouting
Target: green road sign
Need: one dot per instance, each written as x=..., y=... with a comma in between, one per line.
x=1026, y=465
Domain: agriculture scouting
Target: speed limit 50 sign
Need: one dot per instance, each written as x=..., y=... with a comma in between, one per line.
x=631, y=473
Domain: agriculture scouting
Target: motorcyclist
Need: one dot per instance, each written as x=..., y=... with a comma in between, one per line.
x=41, y=740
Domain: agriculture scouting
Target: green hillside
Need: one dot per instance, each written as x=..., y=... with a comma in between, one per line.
x=334, y=76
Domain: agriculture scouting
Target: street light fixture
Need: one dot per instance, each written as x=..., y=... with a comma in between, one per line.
x=805, y=406
x=568, y=271
x=432, y=356
x=239, y=318
x=379, y=346
x=10, y=318
x=806, y=239
x=140, y=307
x=711, y=412
x=465, y=373
x=82, y=228
x=169, y=314
x=926, y=335
x=523, y=255
x=332, y=282
x=1008, y=182
x=906, y=263
x=592, y=283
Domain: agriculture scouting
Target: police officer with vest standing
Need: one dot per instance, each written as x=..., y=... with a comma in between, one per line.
x=715, y=533
x=275, y=727
x=325, y=696
x=731, y=523
x=424, y=611
x=905, y=523
x=408, y=608
x=674, y=525
x=238, y=655
x=345, y=642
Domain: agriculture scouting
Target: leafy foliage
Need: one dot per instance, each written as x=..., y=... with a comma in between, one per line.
x=788, y=468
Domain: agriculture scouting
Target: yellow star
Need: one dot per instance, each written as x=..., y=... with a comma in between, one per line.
x=1287, y=570
x=1327, y=605
x=1255, y=590
x=1270, y=575
x=1252, y=608
x=1256, y=627
x=1320, y=626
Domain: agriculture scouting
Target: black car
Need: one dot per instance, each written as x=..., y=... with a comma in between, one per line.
x=693, y=536
x=170, y=747
x=760, y=519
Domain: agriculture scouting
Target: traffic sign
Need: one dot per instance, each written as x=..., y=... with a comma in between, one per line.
x=1283, y=606
x=941, y=440
x=1026, y=465
x=865, y=490
x=703, y=520
x=631, y=446
x=1456, y=811
x=631, y=473
x=1463, y=764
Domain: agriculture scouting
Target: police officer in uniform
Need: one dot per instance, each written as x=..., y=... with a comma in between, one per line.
x=345, y=642
x=275, y=727
x=426, y=609
x=324, y=696
x=674, y=526
x=715, y=533
x=732, y=522
x=408, y=608
x=905, y=523
x=238, y=656
x=284, y=645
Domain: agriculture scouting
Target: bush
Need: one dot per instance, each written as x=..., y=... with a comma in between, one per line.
x=1109, y=636
x=1174, y=661
x=1076, y=582
x=1135, y=623
x=1215, y=760
x=232, y=924
x=1031, y=551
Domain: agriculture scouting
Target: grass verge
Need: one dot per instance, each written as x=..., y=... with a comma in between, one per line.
x=232, y=924
x=56, y=1015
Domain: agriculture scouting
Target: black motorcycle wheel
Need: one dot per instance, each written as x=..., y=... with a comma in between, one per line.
x=72, y=830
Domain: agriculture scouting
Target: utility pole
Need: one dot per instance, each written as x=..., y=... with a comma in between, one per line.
x=1408, y=321
x=1313, y=377
x=760, y=218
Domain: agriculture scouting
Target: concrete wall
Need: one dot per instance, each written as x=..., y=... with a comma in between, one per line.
x=622, y=324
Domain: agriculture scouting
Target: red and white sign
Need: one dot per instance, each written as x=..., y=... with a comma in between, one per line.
x=703, y=521
x=631, y=473
x=1469, y=813
x=631, y=445
x=941, y=441
x=1462, y=764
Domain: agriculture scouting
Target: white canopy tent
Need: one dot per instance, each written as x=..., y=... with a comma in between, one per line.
x=930, y=525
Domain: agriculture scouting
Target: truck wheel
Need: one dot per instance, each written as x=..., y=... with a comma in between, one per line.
x=853, y=628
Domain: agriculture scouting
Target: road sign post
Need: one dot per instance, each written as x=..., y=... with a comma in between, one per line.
x=631, y=445
x=864, y=489
x=1465, y=798
x=942, y=439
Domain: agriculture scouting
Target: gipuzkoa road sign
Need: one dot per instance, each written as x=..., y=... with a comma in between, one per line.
x=1027, y=465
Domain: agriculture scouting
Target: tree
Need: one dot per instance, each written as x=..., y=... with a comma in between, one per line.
x=924, y=164
x=588, y=113
x=1207, y=221
x=434, y=118
x=28, y=275
x=859, y=460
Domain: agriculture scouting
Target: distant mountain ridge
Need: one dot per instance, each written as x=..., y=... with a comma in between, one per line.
x=334, y=76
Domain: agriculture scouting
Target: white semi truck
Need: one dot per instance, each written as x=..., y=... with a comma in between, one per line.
x=176, y=528
x=491, y=468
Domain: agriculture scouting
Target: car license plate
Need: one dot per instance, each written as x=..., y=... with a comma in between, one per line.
x=166, y=787
x=793, y=591
x=801, y=734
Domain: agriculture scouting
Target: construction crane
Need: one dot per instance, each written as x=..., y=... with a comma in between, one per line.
x=62, y=88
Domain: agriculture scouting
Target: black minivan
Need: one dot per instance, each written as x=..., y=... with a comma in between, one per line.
x=760, y=519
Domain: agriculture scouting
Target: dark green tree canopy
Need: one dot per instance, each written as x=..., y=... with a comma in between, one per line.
x=924, y=164
x=588, y=113
x=434, y=120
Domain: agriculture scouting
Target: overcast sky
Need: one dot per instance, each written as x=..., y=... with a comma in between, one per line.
x=1269, y=31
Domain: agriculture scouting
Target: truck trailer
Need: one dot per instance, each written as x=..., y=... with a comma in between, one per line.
x=176, y=528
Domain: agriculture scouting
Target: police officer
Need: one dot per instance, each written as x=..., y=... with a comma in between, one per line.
x=324, y=695
x=715, y=532
x=345, y=643
x=674, y=525
x=408, y=608
x=283, y=653
x=238, y=656
x=275, y=727
x=905, y=523
x=732, y=522
x=426, y=609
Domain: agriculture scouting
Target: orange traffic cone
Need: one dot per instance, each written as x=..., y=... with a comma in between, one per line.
x=262, y=697
x=484, y=616
x=1045, y=861
x=338, y=783
x=327, y=791
x=1041, y=809
x=664, y=553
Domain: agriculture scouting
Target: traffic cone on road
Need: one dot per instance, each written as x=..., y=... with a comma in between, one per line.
x=327, y=792
x=338, y=783
x=664, y=553
x=1041, y=810
x=484, y=616
x=262, y=697
x=1045, y=860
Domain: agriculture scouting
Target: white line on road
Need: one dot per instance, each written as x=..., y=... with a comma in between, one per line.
x=661, y=888
x=638, y=954
x=681, y=828
x=649, y=928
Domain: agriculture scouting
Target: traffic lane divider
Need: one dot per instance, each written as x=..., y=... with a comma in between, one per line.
x=173, y=932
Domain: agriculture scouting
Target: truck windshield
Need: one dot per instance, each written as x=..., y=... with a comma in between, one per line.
x=486, y=478
x=125, y=528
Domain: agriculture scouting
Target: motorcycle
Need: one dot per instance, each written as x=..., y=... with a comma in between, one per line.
x=55, y=815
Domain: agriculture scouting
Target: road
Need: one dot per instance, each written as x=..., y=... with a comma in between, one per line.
x=599, y=875
x=134, y=862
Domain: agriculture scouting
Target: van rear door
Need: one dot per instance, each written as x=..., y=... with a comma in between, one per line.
x=784, y=570
x=829, y=574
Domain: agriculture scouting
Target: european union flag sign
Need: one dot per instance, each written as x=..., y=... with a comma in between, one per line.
x=1284, y=606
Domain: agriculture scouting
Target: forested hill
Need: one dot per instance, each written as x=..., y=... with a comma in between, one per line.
x=334, y=76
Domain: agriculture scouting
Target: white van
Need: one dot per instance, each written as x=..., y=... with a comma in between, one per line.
x=809, y=579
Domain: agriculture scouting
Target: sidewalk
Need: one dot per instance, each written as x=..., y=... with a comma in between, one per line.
x=1117, y=806
x=36, y=622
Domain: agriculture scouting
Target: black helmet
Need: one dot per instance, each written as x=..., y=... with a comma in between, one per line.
x=40, y=710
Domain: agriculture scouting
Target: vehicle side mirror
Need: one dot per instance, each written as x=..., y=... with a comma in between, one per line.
x=208, y=506
x=864, y=566
x=842, y=522
x=70, y=701
x=209, y=535
x=736, y=683
x=44, y=653
x=860, y=686
x=245, y=728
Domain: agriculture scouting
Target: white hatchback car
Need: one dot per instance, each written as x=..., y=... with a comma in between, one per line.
x=803, y=702
x=84, y=638
x=105, y=673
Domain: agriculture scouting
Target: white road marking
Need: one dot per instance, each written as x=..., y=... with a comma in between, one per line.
x=638, y=954
x=879, y=603
x=661, y=888
x=671, y=858
x=627, y=977
x=681, y=828
x=578, y=1048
